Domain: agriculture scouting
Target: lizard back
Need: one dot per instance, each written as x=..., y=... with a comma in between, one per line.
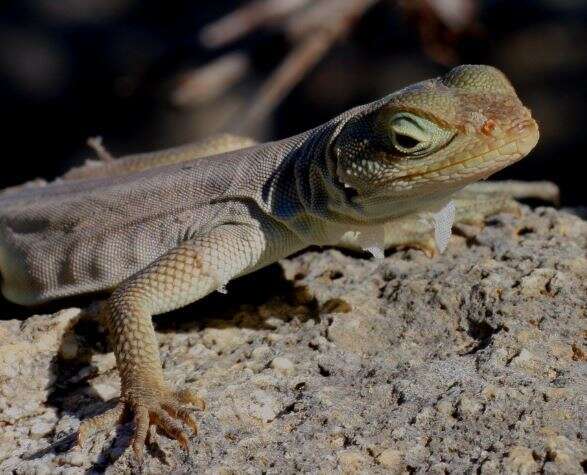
x=74, y=237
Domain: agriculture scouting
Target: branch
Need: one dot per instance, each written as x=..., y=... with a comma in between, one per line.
x=326, y=23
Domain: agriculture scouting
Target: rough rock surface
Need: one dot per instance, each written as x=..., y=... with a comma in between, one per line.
x=474, y=361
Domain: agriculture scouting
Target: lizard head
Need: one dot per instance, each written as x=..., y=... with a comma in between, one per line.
x=423, y=143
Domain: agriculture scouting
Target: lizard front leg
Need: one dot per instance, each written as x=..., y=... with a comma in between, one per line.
x=181, y=276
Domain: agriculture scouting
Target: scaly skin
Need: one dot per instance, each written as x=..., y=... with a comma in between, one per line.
x=167, y=229
x=135, y=163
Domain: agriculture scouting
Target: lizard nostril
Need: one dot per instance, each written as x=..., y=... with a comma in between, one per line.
x=488, y=127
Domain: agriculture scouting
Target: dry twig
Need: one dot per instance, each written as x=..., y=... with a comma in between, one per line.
x=324, y=24
x=210, y=81
x=313, y=27
x=244, y=20
x=96, y=144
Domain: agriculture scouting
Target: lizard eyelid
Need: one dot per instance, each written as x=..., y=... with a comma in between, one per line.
x=416, y=136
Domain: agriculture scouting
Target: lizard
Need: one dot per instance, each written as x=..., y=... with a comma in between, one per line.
x=472, y=204
x=159, y=231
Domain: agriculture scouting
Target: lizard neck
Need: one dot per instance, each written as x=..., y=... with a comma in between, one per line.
x=306, y=194
x=324, y=210
x=318, y=189
x=334, y=208
x=320, y=192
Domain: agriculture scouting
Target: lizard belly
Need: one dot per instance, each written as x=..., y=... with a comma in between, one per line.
x=42, y=263
x=58, y=241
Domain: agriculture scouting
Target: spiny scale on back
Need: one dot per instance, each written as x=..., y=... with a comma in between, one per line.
x=167, y=228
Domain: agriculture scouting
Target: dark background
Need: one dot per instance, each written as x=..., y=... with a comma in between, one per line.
x=72, y=69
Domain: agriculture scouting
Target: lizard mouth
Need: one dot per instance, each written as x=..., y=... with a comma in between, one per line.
x=482, y=165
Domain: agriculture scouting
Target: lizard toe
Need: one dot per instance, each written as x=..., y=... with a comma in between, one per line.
x=166, y=411
x=187, y=396
x=142, y=423
x=107, y=420
x=182, y=413
x=170, y=427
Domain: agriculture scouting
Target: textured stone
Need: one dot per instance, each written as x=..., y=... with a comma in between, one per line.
x=470, y=362
x=282, y=365
x=351, y=462
x=392, y=460
x=521, y=461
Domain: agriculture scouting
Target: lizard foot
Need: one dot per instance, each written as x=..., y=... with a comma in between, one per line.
x=162, y=412
x=425, y=244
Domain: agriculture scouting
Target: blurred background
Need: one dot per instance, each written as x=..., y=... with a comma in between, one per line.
x=151, y=74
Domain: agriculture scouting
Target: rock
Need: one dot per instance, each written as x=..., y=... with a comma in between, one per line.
x=470, y=362
x=260, y=353
x=223, y=339
x=28, y=350
x=520, y=461
x=69, y=347
x=490, y=467
x=41, y=428
x=351, y=462
x=560, y=453
x=336, y=306
x=282, y=365
x=263, y=406
x=106, y=391
x=392, y=460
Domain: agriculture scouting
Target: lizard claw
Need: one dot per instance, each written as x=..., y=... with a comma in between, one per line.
x=163, y=412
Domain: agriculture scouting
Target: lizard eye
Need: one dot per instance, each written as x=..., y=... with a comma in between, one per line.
x=405, y=141
x=414, y=135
